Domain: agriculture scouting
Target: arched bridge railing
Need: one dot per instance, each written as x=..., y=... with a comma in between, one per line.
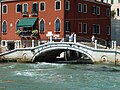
x=62, y=45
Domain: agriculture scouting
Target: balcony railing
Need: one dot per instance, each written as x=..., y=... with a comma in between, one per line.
x=27, y=33
x=34, y=13
x=24, y=13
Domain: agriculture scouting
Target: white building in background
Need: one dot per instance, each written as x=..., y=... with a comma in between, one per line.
x=115, y=22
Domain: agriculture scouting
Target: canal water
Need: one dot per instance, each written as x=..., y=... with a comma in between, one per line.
x=46, y=76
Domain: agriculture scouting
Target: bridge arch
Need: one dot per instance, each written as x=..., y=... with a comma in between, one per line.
x=61, y=46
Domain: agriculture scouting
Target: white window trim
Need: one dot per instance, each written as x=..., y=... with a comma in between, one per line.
x=44, y=6
x=68, y=5
x=55, y=5
x=6, y=26
x=81, y=7
x=16, y=22
x=79, y=27
x=16, y=7
x=86, y=8
x=55, y=23
x=6, y=9
x=44, y=25
x=23, y=7
x=86, y=28
x=2, y=43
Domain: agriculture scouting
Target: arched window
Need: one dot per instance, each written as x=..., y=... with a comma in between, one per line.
x=118, y=11
x=17, y=28
x=57, y=25
x=4, y=27
x=42, y=24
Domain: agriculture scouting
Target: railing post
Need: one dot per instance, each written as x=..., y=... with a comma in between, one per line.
x=32, y=43
x=112, y=44
x=115, y=45
x=74, y=38
x=50, y=38
x=95, y=44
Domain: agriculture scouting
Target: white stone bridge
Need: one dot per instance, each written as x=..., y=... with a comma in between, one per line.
x=55, y=48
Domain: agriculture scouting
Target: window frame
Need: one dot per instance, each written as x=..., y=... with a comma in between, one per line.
x=86, y=27
x=40, y=26
x=3, y=43
x=97, y=10
x=2, y=27
x=108, y=12
x=80, y=24
x=67, y=26
x=6, y=9
x=80, y=9
x=24, y=7
x=36, y=8
x=55, y=5
x=44, y=6
x=84, y=8
x=67, y=8
x=55, y=25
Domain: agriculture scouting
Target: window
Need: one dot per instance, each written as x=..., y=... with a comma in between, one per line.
x=93, y=10
x=84, y=28
x=5, y=9
x=25, y=7
x=3, y=43
x=96, y=29
x=42, y=6
x=118, y=1
x=80, y=27
x=35, y=7
x=4, y=27
x=85, y=8
x=80, y=7
x=18, y=8
x=17, y=28
x=67, y=26
x=107, y=12
x=57, y=25
x=42, y=24
x=118, y=12
x=57, y=5
x=108, y=30
x=111, y=1
x=98, y=10
x=67, y=5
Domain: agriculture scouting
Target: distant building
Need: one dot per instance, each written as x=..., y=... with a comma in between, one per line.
x=32, y=22
x=115, y=21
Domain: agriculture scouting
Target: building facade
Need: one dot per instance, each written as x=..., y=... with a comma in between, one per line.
x=115, y=20
x=28, y=23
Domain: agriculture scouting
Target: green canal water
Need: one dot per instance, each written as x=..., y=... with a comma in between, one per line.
x=46, y=76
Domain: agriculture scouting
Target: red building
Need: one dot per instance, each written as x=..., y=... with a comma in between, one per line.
x=31, y=22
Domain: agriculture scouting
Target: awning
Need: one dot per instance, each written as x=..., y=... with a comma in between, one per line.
x=26, y=22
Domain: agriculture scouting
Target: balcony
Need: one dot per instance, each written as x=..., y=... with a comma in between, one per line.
x=27, y=33
x=24, y=14
x=34, y=13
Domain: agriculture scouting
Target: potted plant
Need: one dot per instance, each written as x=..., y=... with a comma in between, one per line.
x=18, y=32
x=34, y=32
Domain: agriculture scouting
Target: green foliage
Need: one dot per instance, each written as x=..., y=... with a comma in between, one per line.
x=113, y=13
x=34, y=32
x=18, y=32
